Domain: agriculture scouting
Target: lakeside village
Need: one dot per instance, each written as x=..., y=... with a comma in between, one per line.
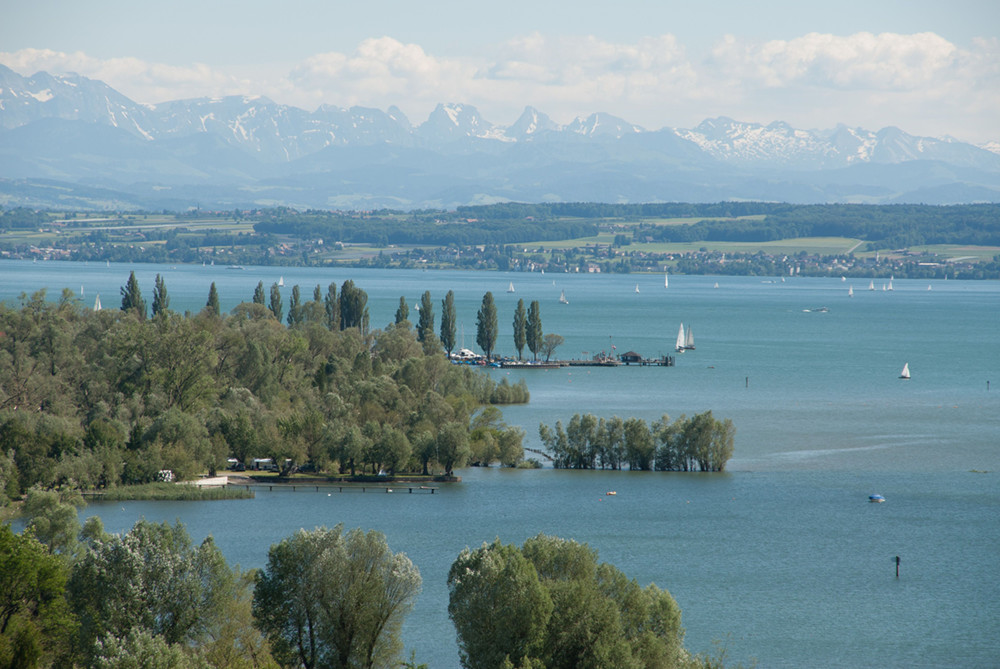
x=587, y=259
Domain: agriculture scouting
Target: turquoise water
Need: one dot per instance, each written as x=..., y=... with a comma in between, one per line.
x=781, y=558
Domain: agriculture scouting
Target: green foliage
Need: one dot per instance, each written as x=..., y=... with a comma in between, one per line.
x=132, y=301
x=701, y=443
x=213, y=301
x=151, y=579
x=498, y=606
x=35, y=622
x=448, y=322
x=94, y=400
x=486, y=325
x=520, y=328
x=402, y=312
x=161, y=301
x=52, y=518
x=550, y=342
x=258, y=293
x=425, y=323
x=140, y=649
x=533, y=332
x=330, y=599
x=552, y=604
x=275, y=304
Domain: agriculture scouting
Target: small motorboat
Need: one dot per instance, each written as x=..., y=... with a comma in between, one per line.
x=876, y=499
x=611, y=493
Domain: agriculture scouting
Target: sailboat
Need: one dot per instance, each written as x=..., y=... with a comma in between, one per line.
x=281, y=281
x=850, y=291
x=562, y=298
x=637, y=288
x=890, y=283
x=680, y=340
x=871, y=285
x=689, y=340
x=510, y=288
x=97, y=303
x=716, y=285
x=666, y=281
x=905, y=374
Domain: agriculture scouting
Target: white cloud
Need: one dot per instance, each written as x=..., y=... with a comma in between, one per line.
x=920, y=82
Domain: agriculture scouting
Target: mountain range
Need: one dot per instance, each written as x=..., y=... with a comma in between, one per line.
x=73, y=142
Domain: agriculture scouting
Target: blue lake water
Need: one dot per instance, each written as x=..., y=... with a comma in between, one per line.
x=781, y=558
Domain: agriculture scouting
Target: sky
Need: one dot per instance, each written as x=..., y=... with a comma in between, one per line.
x=929, y=67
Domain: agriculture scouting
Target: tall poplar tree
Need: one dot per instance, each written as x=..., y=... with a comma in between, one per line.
x=425, y=324
x=486, y=325
x=520, y=327
x=132, y=297
x=275, y=305
x=213, y=300
x=402, y=311
x=533, y=333
x=353, y=307
x=258, y=293
x=161, y=301
x=448, y=322
x=332, y=307
x=295, y=307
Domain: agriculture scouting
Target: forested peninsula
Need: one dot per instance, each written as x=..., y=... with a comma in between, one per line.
x=94, y=399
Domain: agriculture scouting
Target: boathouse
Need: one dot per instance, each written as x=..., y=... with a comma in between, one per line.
x=630, y=357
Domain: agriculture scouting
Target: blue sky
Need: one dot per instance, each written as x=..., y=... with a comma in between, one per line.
x=931, y=68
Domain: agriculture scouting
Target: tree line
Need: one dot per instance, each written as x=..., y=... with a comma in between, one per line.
x=326, y=599
x=96, y=399
x=700, y=443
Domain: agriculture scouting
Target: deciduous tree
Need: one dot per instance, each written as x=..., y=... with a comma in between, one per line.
x=330, y=599
x=533, y=334
x=132, y=301
x=486, y=325
x=425, y=324
x=448, y=322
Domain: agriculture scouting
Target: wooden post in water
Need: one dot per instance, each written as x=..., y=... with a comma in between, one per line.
x=897, y=566
x=748, y=382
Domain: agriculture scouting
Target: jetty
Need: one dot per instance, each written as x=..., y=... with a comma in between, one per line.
x=626, y=359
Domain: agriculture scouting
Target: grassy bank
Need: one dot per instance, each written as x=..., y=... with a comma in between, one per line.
x=169, y=492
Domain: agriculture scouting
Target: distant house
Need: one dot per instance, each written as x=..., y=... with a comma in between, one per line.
x=631, y=357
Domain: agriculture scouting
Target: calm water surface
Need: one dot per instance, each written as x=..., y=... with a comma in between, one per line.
x=781, y=558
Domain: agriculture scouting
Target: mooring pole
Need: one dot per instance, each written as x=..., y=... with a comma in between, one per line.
x=748, y=382
x=897, y=566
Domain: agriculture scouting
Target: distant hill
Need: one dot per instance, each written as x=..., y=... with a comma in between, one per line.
x=82, y=135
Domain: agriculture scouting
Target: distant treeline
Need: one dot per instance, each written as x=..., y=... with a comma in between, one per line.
x=389, y=228
x=883, y=226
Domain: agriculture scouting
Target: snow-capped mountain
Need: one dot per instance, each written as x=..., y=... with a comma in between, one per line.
x=74, y=129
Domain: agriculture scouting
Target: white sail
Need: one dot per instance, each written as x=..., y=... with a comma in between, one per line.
x=890, y=283
x=716, y=284
x=510, y=288
x=905, y=374
x=97, y=303
x=281, y=281
x=850, y=291
x=680, y=339
x=666, y=281
x=637, y=288
x=871, y=285
x=562, y=298
x=689, y=339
